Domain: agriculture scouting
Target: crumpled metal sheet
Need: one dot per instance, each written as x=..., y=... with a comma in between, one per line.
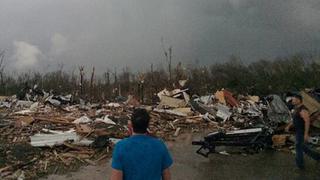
x=278, y=110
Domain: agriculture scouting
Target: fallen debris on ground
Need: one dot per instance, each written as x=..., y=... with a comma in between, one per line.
x=52, y=133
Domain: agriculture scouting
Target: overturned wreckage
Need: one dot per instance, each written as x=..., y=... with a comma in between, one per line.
x=253, y=140
x=253, y=124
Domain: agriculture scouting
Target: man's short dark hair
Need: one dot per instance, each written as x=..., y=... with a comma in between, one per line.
x=140, y=120
x=298, y=96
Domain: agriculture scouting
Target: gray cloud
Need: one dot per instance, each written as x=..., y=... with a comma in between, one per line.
x=26, y=55
x=59, y=44
x=117, y=33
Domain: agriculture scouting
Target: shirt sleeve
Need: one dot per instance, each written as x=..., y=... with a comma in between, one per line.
x=116, y=158
x=167, y=159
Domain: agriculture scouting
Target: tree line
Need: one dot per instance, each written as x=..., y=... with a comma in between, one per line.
x=261, y=77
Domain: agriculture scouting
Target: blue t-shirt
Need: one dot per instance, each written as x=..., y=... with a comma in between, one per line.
x=141, y=157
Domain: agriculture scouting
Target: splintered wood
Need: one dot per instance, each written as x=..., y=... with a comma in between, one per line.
x=167, y=125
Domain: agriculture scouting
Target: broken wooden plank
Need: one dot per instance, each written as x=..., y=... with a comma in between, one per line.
x=52, y=120
x=172, y=102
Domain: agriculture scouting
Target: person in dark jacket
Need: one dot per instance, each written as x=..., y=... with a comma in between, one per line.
x=301, y=123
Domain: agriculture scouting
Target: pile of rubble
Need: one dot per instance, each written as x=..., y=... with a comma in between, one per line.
x=224, y=110
x=39, y=138
x=224, y=113
x=42, y=133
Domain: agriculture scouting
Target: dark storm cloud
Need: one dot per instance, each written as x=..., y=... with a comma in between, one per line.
x=109, y=33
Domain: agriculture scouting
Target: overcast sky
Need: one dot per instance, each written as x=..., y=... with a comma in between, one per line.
x=40, y=34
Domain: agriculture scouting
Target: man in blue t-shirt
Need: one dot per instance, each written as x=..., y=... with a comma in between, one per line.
x=140, y=157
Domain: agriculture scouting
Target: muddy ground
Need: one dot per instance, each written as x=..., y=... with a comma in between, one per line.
x=268, y=164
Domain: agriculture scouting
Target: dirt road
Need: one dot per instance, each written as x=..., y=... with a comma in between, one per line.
x=188, y=165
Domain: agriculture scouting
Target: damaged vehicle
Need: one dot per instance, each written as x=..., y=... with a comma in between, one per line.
x=252, y=140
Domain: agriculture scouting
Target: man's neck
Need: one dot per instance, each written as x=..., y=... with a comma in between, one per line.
x=138, y=133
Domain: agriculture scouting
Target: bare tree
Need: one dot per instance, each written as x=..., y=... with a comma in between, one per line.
x=2, y=67
x=168, y=56
x=92, y=78
x=141, y=79
x=106, y=76
x=115, y=90
x=92, y=83
x=81, y=70
x=169, y=64
x=115, y=76
x=106, y=84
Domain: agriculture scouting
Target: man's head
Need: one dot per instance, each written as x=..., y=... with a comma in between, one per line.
x=296, y=99
x=140, y=121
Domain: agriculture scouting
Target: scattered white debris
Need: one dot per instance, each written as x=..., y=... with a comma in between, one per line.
x=106, y=120
x=83, y=119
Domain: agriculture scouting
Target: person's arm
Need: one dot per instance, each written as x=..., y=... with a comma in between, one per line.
x=116, y=164
x=166, y=175
x=166, y=163
x=305, y=116
x=288, y=126
x=116, y=174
